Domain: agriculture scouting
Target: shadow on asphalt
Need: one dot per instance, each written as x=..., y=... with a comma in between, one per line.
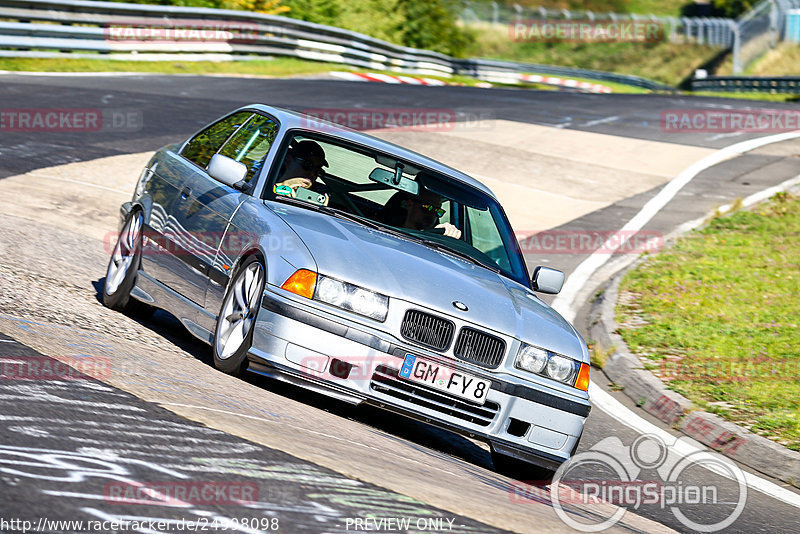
x=397, y=426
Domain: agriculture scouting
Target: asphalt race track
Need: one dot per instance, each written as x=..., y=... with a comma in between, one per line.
x=161, y=417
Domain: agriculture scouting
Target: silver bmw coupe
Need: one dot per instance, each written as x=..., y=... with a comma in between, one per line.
x=342, y=263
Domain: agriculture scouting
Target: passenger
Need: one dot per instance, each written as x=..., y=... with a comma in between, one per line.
x=420, y=212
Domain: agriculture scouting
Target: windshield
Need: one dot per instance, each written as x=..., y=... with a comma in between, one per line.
x=398, y=195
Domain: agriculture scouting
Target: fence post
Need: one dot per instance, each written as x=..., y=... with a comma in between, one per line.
x=737, y=51
x=495, y=13
x=773, y=24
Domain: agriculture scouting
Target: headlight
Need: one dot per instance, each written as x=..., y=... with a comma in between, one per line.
x=531, y=359
x=545, y=363
x=560, y=368
x=352, y=298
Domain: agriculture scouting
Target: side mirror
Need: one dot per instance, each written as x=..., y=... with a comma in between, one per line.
x=226, y=170
x=547, y=280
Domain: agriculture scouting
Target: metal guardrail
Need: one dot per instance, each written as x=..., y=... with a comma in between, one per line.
x=274, y=35
x=81, y=28
x=483, y=67
x=736, y=84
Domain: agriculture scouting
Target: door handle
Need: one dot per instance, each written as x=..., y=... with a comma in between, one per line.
x=186, y=192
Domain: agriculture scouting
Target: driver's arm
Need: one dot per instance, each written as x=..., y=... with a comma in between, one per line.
x=450, y=230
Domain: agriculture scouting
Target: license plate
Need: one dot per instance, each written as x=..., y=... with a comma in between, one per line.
x=445, y=379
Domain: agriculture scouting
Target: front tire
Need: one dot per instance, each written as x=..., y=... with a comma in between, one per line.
x=234, y=332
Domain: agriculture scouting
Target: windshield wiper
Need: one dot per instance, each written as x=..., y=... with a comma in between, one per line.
x=455, y=252
x=341, y=214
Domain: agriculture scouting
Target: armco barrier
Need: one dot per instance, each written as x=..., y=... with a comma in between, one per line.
x=735, y=84
x=79, y=28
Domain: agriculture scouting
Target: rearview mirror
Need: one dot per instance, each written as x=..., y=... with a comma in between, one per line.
x=226, y=170
x=547, y=280
x=385, y=176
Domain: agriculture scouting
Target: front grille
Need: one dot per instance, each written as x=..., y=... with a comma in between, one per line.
x=385, y=381
x=428, y=330
x=479, y=348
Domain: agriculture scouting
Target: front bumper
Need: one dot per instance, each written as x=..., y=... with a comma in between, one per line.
x=295, y=341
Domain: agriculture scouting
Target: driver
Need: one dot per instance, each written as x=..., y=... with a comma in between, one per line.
x=423, y=213
x=302, y=167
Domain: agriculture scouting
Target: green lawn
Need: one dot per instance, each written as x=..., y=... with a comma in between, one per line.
x=664, y=62
x=274, y=67
x=277, y=67
x=667, y=8
x=717, y=316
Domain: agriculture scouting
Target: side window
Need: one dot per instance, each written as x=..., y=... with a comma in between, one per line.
x=486, y=238
x=251, y=143
x=206, y=143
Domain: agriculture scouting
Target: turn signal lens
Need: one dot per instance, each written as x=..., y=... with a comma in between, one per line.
x=583, y=378
x=301, y=283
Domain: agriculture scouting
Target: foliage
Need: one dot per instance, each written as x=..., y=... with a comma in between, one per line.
x=269, y=7
x=732, y=8
x=432, y=25
x=428, y=24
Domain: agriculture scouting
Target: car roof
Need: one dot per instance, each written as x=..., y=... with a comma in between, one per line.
x=292, y=119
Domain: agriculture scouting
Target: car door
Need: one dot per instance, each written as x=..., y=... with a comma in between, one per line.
x=206, y=206
x=169, y=259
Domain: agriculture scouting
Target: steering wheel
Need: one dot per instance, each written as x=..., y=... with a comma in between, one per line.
x=341, y=191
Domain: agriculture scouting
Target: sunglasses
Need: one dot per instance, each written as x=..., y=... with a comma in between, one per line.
x=433, y=209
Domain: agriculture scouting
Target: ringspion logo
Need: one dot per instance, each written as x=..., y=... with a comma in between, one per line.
x=647, y=473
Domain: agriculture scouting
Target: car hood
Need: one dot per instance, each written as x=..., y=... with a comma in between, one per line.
x=407, y=270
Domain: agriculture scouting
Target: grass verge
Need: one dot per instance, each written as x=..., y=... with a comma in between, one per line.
x=664, y=62
x=273, y=67
x=277, y=67
x=779, y=61
x=716, y=317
